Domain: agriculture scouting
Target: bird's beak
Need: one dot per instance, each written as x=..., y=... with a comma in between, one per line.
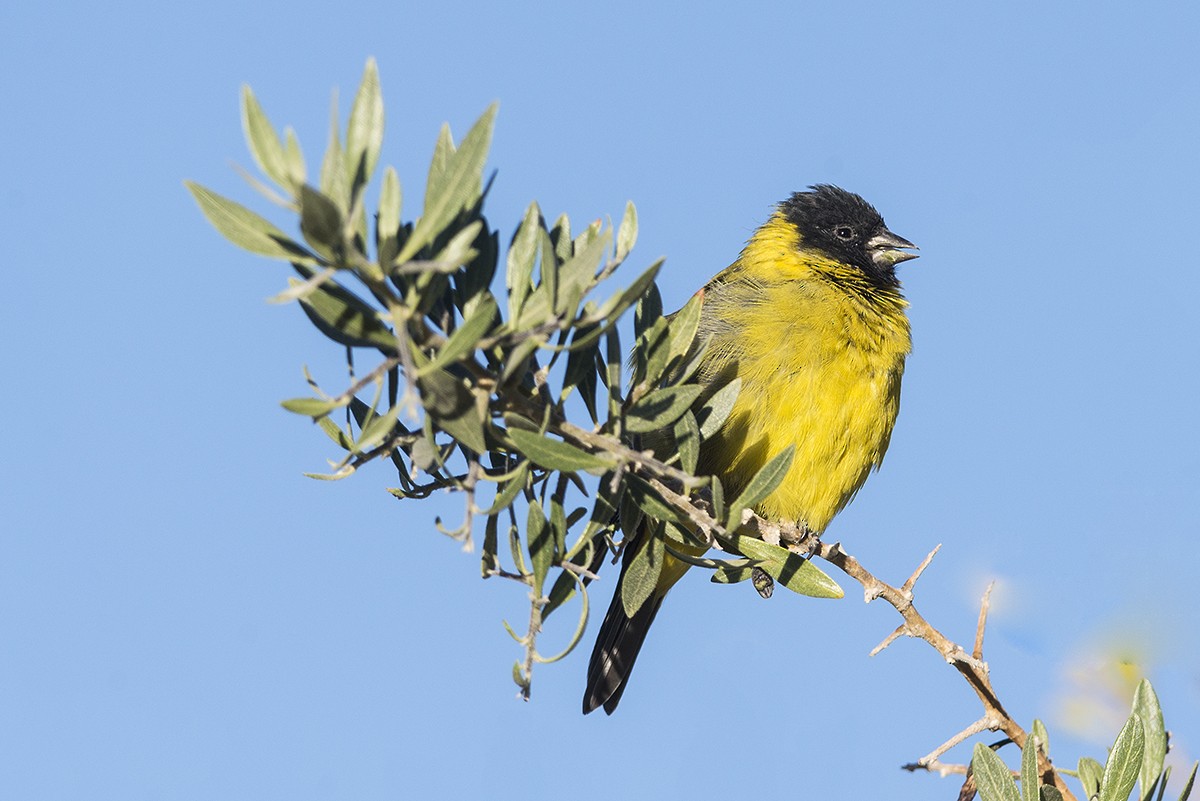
x=888, y=250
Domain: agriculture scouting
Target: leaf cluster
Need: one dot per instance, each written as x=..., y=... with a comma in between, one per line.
x=478, y=392
x=1135, y=758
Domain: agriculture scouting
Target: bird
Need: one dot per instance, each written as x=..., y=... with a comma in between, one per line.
x=811, y=317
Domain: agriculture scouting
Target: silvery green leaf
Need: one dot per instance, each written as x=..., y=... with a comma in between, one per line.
x=296, y=169
x=541, y=545
x=522, y=253
x=1146, y=707
x=558, y=455
x=1124, y=762
x=716, y=410
x=640, y=577
x=458, y=187
x=320, y=221
x=627, y=233
x=992, y=776
x=334, y=184
x=1090, y=771
x=364, y=132
x=246, y=229
x=768, y=477
x=1029, y=770
x=791, y=570
x=312, y=407
x=661, y=408
x=263, y=141
x=345, y=318
x=466, y=336
x=388, y=223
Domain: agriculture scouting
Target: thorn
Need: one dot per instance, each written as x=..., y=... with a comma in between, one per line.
x=984, y=606
x=912, y=580
x=891, y=638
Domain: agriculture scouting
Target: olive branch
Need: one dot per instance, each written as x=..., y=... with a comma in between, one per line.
x=483, y=396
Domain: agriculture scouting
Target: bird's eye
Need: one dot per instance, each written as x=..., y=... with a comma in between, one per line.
x=844, y=232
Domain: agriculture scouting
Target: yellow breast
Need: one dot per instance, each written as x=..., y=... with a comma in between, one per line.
x=820, y=354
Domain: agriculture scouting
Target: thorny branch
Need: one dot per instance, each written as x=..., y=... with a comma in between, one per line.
x=798, y=539
x=680, y=490
x=970, y=666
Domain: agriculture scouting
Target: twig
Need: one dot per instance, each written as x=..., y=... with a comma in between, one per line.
x=970, y=666
x=888, y=640
x=926, y=762
x=703, y=522
x=912, y=580
x=377, y=373
x=535, y=627
x=983, y=614
x=579, y=570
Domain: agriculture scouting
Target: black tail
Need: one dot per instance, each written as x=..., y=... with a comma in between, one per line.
x=616, y=649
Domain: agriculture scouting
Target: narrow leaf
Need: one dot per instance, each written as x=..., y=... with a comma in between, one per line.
x=263, y=141
x=717, y=409
x=466, y=337
x=791, y=570
x=580, y=627
x=458, y=251
x=573, y=279
x=388, y=222
x=335, y=433
x=687, y=441
x=522, y=252
x=334, y=183
x=443, y=150
x=648, y=313
x=558, y=525
x=1038, y=730
x=1191, y=781
x=1090, y=771
x=577, y=274
x=459, y=186
x=992, y=777
x=718, y=498
x=734, y=572
x=627, y=233
x=320, y=221
x=541, y=546
x=684, y=324
x=768, y=477
x=560, y=238
x=490, y=560
x=653, y=352
x=346, y=318
x=246, y=229
x=639, y=579
x=1146, y=707
x=452, y=406
x=364, y=132
x=377, y=429
x=1124, y=762
x=508, y=491
x=312, y=407
x=297, y=171
x=1029, y=770
x=558, y=455
x=661, y=408
x=616, y=305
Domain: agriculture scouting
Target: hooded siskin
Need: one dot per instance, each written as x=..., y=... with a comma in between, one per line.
x=811, y=319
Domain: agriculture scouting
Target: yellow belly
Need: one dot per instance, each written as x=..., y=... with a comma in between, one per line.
x=820, y=369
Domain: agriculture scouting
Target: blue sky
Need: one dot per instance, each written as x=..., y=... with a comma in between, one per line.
x=185, y=616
